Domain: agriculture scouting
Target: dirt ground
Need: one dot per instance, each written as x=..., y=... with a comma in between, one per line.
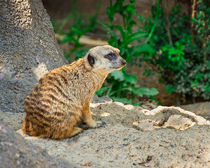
x=119, y=144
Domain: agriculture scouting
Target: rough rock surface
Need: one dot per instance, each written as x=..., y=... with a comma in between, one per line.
x=118, y=144
x=202, y=109
x=15, y=152
x=27, y=50
x=173, y=117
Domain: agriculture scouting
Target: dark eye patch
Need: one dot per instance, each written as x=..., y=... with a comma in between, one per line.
x=91, y=60
x=111, y=56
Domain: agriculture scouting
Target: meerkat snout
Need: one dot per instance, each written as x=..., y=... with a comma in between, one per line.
x=123, y=62
x=104, y=58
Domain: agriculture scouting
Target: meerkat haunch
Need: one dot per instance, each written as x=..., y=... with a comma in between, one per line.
x=62, y=96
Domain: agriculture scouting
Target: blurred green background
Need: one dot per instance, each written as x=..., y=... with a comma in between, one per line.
x=166, y=45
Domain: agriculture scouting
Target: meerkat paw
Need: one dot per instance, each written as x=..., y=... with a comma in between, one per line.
x=91, y=123
x=76, y=131
x=100, y=124
x=95, y=124
x=20, y=131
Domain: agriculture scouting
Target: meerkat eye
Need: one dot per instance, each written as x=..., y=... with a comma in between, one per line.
x=111, y=56
x=91, y=60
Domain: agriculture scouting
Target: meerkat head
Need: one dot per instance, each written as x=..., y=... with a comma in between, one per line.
x=104, y=58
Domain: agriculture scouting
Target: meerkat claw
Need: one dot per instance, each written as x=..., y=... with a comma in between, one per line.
x=103, y=124
x=100, y=124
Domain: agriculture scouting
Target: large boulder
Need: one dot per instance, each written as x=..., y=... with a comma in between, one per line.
x=15, y=152
x=27, y=50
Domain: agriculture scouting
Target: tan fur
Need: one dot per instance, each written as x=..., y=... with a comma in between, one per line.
x=62, y=97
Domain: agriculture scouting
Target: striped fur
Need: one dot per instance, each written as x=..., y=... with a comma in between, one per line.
x=61, y=99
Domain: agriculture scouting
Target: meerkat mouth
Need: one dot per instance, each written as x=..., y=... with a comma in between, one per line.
x=119, y=68
x=123, y=62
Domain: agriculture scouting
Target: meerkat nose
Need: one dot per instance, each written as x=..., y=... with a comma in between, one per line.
x=123, y=62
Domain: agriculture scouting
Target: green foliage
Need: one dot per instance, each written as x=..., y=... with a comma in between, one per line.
x=176, y=45
x=181, y=57
x=120, y=86
x=123, y=86
x=76, y=31
x=78, y=25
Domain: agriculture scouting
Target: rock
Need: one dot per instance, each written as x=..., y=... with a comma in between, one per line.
x=178, y=122
x=15, y=152
x=202, y=109
x=173, y=117
x=27, y=50
x=117, y=144
x=146, y=125
x=103, y=99
x=120, y=146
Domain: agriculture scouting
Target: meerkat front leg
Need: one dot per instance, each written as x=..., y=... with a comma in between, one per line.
x=87, y=118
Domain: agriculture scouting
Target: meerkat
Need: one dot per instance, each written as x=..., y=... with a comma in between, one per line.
x=61, y=98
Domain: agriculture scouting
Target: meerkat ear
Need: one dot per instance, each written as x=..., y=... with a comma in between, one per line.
x=91, y=60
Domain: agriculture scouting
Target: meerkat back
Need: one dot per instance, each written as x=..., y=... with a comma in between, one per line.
x=50, y=108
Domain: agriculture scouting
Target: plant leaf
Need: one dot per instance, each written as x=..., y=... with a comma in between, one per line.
x=118, y=75
x=122, y=100
x=130, y=78
x=140, y=91
x=140, y=49
x=133, y=37
x=101, y=91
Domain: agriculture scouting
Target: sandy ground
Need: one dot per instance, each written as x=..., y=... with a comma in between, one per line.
x=118, y=144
